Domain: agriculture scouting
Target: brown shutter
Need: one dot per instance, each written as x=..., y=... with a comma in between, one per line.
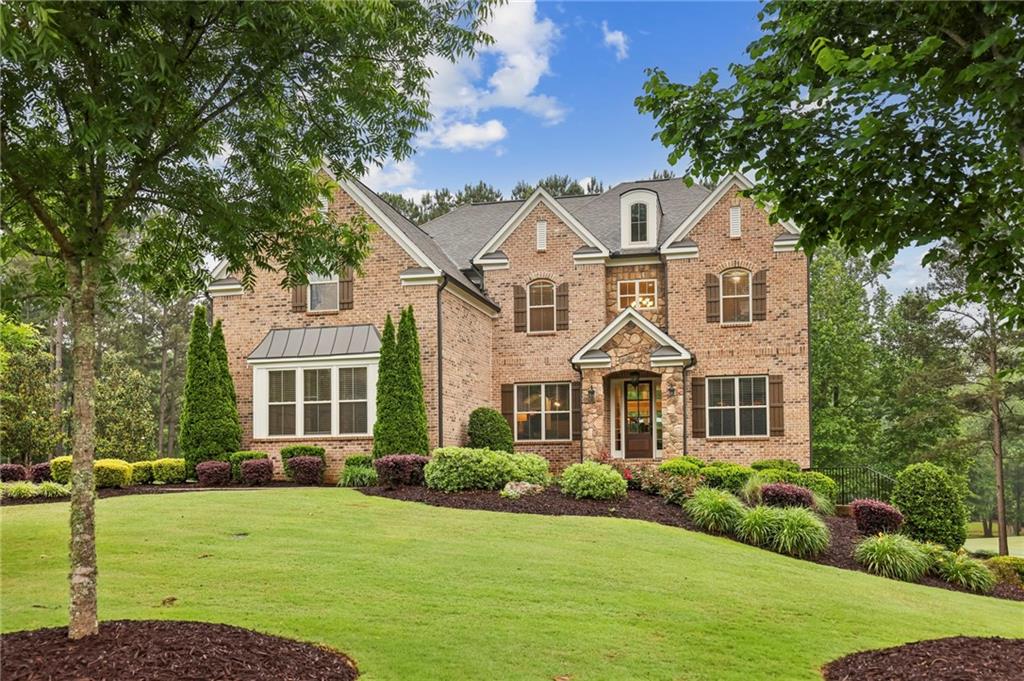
x=759, y=296
x=775, y=404
x=346, y=281
x=576, y=400
x=562, y=307
x=713, y=300
x=298, y=298
x=519, y=307
x=697, y=398
x=508, y=396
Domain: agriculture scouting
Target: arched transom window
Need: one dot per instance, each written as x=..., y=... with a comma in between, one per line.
x=735, y=296
x=638, y=223
x=540, y=296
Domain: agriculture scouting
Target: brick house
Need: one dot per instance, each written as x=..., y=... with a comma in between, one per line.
x=643, y=323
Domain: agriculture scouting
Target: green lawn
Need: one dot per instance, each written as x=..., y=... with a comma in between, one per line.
x=413, y=592
x=1015, y=544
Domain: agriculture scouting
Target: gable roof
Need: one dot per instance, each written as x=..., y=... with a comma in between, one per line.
x=668, y=353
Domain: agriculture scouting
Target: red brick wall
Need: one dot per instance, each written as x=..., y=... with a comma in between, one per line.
x=466, y=358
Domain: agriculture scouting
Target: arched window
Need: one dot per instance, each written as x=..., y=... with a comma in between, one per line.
x=735, y=296
x=540, y=299
x=638, y=223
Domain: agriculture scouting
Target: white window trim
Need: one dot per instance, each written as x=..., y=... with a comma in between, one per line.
x=309, y=294
x=530, y=307
x=542, y=412
x=749, y=297
x=542, y=235
x=637, y=295
x=736, y=408
x=626, y=203
x=261, y=389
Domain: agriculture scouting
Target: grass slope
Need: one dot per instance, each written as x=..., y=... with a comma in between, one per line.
x=414, y=592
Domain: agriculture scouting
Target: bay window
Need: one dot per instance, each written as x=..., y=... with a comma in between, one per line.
x=310, y=398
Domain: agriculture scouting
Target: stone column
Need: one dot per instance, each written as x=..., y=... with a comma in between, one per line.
x=595, y=428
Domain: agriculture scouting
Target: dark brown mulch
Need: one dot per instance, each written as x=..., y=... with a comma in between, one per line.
x=960, y=658
x=108, y=492
x=151, y=650
x=640, y=506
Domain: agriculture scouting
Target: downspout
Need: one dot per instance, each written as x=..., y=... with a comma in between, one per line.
x=580, y=372
x=440, y=363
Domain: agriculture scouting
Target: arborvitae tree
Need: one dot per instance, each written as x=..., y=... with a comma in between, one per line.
x=227, y=402
x=388, y=417
x=413, y=409
x=201, y=389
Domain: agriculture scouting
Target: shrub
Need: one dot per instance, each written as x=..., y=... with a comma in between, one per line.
x=12, y=472
x=819, y=483
x=784, y=494
x=592, y=480
x=60, y=469
x=358, y=476
x=142, y=472
x=363, y=460
x=1008, y=569
x=213, y=473
x=679, y=466
x=453, y=469
x=236, y=459
x=962, y=570
x=751, y=490
x=894, y=556
x=932, y=505
x=823, y=505
x=691, y=459
x=728, y=476
x=675, y=489
x=874, y=517
x=488, y=429
x=169, y=470
x=257, y=472
x=112, y=473
x=776, y=464
x=40, y=472
x=530, y=468
x=759, y=525
x=292, y=451
x=19, y=490
x=307, y=470
x=400, y=470
x=800, y=533
x=714, y=510
x=49, y=489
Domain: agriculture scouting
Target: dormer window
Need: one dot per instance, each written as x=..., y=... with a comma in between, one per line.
x=639, y=216
x=638, y=223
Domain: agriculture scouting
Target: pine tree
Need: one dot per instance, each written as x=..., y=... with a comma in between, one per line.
x=413, y=408
x=195, y=431
x=226, y=402
x=388, y=420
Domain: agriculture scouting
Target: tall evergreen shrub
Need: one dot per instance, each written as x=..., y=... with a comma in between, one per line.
x=227, y=402
x=413, y=408
x=386, y=428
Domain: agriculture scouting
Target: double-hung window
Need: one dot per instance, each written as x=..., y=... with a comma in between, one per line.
x=638, y=223
x=543, y=411
x=735, y=296
x=316, y=402
x=323, y=292
x=324, y=399
x=641, y=294
x=737, y=406
x=281, y=402
x=352, y=400
x=541, y=307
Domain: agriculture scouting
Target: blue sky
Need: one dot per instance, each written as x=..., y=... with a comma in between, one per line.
x=554, y=94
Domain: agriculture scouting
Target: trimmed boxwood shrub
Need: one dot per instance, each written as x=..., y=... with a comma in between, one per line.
x=874, y=517
x=759, y=525
x=142, y=472
x=112, y=473
x=400, y=470
x=783, y=494
x=894, y=556
x=12, y=472
x=819, y=483
x=530, y=468
x=292, y=451
x=169, y=470
x=932, y=503
x=213, y=473
x=776, y=464
x=307, y=470
x=236, y=459
x=40, y=472
x=714, y=510
x=592, y=480
x=453, y=469
x=488, y=429
x=1009, y=569
x=60, y=469
x=728, y=476
x=800, y=533
x=257, y=472
x=679, y=466
x=364, y=460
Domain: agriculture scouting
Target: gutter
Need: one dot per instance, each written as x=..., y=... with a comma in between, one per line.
x=440, y=363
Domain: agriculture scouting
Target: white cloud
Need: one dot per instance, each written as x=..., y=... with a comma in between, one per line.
x=907, y=272
x=616, y=40
x=469, y=135
x=391, y=176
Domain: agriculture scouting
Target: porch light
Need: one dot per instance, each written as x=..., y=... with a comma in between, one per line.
x=672, y=391
x=636, y=379
x=591, y=395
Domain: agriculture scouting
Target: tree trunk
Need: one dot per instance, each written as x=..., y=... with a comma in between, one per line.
x=162, y=410
x=997, y=433
x=986, y=527
x=83, y=282
x=58, y=388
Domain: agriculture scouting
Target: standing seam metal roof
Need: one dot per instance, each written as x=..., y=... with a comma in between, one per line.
x=318, y=341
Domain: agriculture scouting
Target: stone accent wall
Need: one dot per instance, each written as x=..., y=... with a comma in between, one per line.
x=466, y=357
x=613, y=275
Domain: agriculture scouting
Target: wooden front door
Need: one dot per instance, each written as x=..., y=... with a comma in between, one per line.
x=639, y=420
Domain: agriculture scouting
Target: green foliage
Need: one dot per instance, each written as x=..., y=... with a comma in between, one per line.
x=800, y=533
x=714, y=510
x=206, y=433
x=60, y=469
x=894, y=556
x=412, y=407
x=824, y=505
x=679, y=466
x=777, y=464
x=674, y=489
x=53, y=490
x=358, y=476
x=759, y=525
x=29, y=429
x=488, y=429
x=142, y=472
x=728, y=476
x=387, y=428
x=751, y=490
x=169, y=470
x=932, y=503
x=440, y=201
x=112, y=473
x=453, y=469
x=19, y=490
x=530, y=468
x=236, y=459
x=359, y=460
x=125, y=423
x=592, y=480
x=227, y=402
x=1009, y=569
x=819, y=483
x=962, y=570
x=292, y=451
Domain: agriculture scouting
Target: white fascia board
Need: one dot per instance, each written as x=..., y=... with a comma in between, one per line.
x=390, y=227
x=314, y=362
x=634, y=260
x=225, y=290
x=647, y=326
x=424, y=279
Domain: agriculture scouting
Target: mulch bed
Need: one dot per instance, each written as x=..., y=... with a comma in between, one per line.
x=151, y=650
x=108, y=492
x=640, y=506
x=960, y=658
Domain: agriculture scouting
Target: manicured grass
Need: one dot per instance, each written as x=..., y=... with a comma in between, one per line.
x=1015, y=544
x=414, y=592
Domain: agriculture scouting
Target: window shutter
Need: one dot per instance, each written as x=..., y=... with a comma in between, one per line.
x=775, y=404
x=562, y=307
x=713, y=300
x=759, y=296
x=577, y=411
x=299, y=298
x=519, y=305
x=697, y=398
x=346, y=282
x=508, y=396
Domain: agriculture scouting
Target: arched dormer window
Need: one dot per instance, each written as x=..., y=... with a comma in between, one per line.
x=540, y=306
x=639, y=218
x=638, y=223
x=735, y=290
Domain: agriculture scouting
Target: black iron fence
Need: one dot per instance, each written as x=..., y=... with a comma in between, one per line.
x=858, y=482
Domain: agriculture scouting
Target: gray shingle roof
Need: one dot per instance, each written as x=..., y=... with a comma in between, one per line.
x=318, y=341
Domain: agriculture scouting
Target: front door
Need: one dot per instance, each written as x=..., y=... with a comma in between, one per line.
x=639, y=420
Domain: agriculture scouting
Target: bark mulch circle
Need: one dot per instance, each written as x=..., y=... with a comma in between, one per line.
x=153, y=650
x=960, y=658
x=640, y=506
